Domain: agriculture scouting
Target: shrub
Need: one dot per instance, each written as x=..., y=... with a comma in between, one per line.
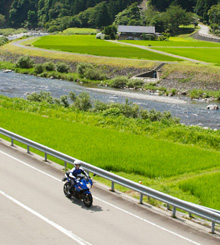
x=49, y=66
x=100, y=106
x=54, y=29
x=112, y=112
x=135, y=83
x=72, y=96
x=64, y=101
x=119, y=82
x=82, y=67
x=40, y=97
x=38, y=69
x=62, y=67
x=25, y=62
x=107, y=37
x=94, y=74
x=83, y=102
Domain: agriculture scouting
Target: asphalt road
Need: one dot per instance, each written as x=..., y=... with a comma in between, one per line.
x=34, y=210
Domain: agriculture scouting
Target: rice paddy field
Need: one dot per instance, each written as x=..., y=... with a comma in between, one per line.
x=186, y=47
x=175, y=42
x=88, y=44
x=170, y=167
x=211, y=55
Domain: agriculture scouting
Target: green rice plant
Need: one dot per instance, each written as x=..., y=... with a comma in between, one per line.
x=109, y=149
x=87, y=44
x=174, y=42
x=211, y=55
x=206, y=188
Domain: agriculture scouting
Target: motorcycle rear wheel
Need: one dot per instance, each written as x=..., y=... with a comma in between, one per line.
x=87, y=200
x=66, y=189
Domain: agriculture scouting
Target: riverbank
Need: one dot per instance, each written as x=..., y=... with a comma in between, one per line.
x=173, y=80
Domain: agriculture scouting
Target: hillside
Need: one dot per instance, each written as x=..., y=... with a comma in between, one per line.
x=59, y=14
x=34, y=13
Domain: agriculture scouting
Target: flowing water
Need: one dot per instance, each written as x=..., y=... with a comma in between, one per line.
x=190, y=113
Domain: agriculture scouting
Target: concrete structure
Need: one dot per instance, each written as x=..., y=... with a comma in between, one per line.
x=135, y=32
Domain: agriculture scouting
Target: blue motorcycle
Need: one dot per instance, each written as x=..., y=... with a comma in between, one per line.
x=81, y=188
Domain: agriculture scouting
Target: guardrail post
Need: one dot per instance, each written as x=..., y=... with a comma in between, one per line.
x=113, y=187
x=12, y=142
x=45, y=157
x=28, y=150
x=174, y=212
x=141, y=198
x=168, y=207
x=190, y=215
x=213, y=227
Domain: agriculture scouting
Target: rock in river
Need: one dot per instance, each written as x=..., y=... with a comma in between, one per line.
x=212, y=107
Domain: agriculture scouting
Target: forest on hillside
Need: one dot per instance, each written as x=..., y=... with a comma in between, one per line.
x=57, y=15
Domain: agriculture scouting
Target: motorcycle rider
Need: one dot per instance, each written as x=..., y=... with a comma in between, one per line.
x=76, y=171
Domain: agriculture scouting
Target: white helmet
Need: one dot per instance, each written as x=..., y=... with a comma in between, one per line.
x=77, y=162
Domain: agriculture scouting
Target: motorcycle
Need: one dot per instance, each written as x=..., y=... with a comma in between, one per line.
x=81, y=188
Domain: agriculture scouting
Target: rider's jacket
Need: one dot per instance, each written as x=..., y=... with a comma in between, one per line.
x=74, y=172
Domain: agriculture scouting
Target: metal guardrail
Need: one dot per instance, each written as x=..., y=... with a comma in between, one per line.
x=204, y=212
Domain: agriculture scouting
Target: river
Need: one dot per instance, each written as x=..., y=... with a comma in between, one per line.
x=190, y=113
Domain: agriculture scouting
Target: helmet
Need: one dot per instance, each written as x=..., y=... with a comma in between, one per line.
x=77, y=162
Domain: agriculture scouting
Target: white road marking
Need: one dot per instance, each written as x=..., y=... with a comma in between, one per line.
x=50, y=222
x=109, y=204
x=146, y=221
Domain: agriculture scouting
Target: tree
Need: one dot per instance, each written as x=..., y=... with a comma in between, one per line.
x=176, y=16
x=162, y=5
x=2, y=20
x=214, y=17
x=130, y=14
x=203, y=6
x=102, y=17
x=159, y=22
x=111, y=31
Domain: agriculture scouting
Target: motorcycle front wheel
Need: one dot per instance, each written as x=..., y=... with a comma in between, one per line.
x=87, y=200
x=66, y=189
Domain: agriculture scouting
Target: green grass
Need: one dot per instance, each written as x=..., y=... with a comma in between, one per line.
x=109, y=149
x=87, y=44
x=175, y=42
x=72, y=31
x=211, y=55
x=206, y=188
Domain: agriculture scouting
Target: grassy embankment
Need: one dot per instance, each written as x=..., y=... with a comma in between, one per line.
x=120, y=145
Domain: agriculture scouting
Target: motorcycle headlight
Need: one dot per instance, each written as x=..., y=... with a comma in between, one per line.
x=89, y=186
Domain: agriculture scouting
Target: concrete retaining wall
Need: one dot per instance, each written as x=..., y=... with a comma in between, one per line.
x=203, y=37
